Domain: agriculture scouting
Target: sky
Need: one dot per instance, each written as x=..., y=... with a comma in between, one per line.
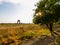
x=13, y=10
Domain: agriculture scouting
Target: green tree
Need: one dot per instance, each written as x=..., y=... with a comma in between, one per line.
x=47, y=12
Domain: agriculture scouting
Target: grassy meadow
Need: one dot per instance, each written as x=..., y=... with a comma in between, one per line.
x=16, y=34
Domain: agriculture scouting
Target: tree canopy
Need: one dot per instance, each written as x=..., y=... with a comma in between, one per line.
x=47, y=12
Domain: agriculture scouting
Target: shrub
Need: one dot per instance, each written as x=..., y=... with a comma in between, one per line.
x=27, y=35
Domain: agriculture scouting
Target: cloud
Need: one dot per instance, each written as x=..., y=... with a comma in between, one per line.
x=10, y=11
x=1, y=0
x=19, y=1
x=12, y=1
x=9, y=8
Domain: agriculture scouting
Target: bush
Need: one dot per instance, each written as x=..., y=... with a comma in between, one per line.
x=27, y=35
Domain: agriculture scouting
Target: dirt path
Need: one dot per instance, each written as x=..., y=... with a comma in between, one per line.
x=45, y=40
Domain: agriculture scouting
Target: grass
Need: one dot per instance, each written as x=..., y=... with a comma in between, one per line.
x=15, y=34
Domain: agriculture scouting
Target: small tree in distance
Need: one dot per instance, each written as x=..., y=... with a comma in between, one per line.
x=47, y=12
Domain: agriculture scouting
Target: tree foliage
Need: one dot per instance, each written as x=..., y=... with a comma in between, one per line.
x=50, y=12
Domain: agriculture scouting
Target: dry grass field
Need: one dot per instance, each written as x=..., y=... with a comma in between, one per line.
x=24, y=34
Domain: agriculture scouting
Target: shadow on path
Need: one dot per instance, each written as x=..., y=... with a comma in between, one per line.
x=45, y=40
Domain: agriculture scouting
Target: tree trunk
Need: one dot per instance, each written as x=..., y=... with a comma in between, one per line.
x=50, y=27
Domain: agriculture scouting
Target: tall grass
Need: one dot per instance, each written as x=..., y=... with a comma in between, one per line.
x=16, y=33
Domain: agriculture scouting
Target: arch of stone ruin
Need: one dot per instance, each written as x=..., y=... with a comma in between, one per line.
x=18, y=21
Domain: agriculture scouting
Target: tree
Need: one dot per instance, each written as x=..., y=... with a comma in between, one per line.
x=47, y=12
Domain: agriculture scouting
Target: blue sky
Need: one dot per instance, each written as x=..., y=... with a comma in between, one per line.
x=12, y=10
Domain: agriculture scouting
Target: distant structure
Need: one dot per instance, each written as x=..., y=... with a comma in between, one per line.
x=18, y=21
